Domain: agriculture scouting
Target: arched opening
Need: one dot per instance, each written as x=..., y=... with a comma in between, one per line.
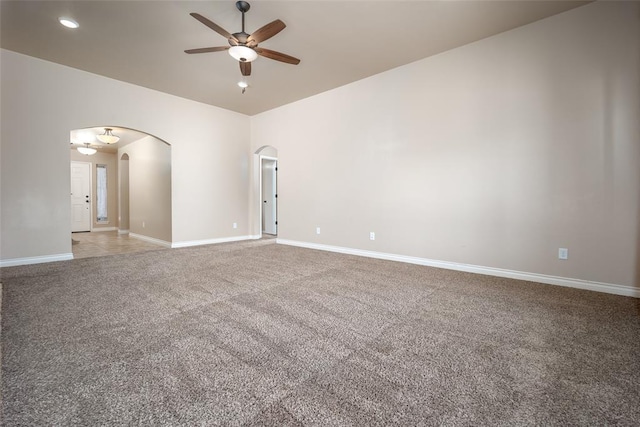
x=131, y=191
x=266, y=190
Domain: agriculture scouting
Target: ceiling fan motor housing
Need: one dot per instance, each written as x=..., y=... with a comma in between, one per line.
x=242, y=38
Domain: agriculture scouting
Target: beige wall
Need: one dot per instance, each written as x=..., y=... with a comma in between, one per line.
x=495, y=154
x=108, y=159
x=149, y=187
x=42, y=102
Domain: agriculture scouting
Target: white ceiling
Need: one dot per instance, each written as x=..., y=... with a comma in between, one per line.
x=338, y=42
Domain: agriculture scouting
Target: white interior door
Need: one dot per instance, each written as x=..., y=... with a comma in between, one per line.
x=80, y=196
x=269, y=196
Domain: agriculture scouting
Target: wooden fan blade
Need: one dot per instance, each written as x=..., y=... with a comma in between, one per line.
x=207, y=49
x=245, y=68
x=278, y=56
x=266, y=32
x=215, y=27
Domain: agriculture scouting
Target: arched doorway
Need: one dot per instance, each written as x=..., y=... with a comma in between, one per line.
x=138, y=192
x=265, y=183
x=269, y=195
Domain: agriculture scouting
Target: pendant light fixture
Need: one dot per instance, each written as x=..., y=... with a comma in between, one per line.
x=86, y=150
x=107, y=137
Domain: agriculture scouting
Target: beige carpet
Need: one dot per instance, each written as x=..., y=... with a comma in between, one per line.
x=265, y=334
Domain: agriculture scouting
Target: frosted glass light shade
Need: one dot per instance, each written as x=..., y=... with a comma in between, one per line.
x=243, y=53
x=107, y=137
x=87, y=150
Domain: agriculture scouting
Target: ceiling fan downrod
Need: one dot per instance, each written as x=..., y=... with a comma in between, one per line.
x=243, y=7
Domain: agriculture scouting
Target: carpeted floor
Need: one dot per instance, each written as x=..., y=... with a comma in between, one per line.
x=266, y=334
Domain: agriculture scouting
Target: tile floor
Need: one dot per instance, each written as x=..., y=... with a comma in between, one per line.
x=101, y=243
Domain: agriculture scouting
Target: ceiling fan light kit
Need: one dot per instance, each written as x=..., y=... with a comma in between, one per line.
x=108, y=137
x=243, y=53
x=243, y=46
x=243, y=85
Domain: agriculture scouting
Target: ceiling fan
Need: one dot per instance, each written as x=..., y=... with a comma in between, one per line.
x=243, y=46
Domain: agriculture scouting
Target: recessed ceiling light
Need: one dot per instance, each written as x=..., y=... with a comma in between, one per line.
x=243, y=84
x=68, y=22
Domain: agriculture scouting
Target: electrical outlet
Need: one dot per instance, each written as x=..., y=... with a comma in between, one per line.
x=372, y=236
x=317, y=230
x=235, y=225
x=142, y=224
x=563, y=253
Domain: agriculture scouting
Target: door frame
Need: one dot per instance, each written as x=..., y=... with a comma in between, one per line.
x=124, y=189
x=261, y=195
x=90, y=194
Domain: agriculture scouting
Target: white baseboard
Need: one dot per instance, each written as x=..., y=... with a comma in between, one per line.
x=608, y=288
x=123, y=231
x=210, y=241
x=151, y=240
x=35, y=260
x=94, y=229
